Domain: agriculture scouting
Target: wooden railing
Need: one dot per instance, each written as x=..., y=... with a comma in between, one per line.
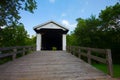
x=13, y=51
x=100, y=55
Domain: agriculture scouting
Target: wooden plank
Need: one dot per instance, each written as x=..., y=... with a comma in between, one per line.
x=93, y=49
x=19, y=49
x=6, y=48
x=103, y=51
x=19, y=52
x=98, y=59
x=9, y=54
x=49, y=65
x=23, y=51
x=85, y=48
x=5, y=55
x=79, y=55
x=14, y=55
x=89, y=56
x=109, y=62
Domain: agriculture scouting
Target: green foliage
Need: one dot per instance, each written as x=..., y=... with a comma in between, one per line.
x=110, y=17
x=9, y=10
x=71, y=39
x=31, y=41
x=15, y=36
x=85, y=30
x=101, y=32
x=54, y=48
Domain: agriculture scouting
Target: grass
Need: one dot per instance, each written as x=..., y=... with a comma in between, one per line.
x=103, y=67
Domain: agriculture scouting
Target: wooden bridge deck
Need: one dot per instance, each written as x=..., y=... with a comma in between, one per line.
x=50, y=65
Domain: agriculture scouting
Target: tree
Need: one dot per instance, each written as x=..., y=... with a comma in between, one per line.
x=110, y=17
x=31, y=41
x=9, y=10
x=71, y=39
x=14, y=36
x=80, y=32
x=101, y=32
x=86, y=30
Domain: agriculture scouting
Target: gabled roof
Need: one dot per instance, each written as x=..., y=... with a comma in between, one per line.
x=38, y=27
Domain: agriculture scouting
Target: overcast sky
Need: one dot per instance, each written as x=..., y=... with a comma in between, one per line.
x=63, y=11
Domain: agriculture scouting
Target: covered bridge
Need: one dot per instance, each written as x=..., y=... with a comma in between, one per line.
x=50, y=35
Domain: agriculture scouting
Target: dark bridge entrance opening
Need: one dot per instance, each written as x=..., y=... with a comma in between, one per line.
x=51, y=38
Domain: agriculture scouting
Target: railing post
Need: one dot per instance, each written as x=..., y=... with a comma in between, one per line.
x=67, y=49
x=74, y=50
x=109, y=62
x=29, y=48
x=79, y=52
x=70, y=50
x=33, y=49
x=14, y=54
x=89, y=55
x=23, y=51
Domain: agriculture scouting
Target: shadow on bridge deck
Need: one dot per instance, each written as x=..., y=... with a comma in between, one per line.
x=50, y=65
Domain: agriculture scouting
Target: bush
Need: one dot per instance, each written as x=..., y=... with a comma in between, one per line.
x=54, y=48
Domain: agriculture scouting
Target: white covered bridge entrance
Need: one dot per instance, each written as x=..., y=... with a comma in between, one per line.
x=49, y=35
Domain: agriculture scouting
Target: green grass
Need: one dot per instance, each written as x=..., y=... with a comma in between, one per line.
x=103, y=67
x=116, y=69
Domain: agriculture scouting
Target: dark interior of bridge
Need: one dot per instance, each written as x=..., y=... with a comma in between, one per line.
x=51, y=38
